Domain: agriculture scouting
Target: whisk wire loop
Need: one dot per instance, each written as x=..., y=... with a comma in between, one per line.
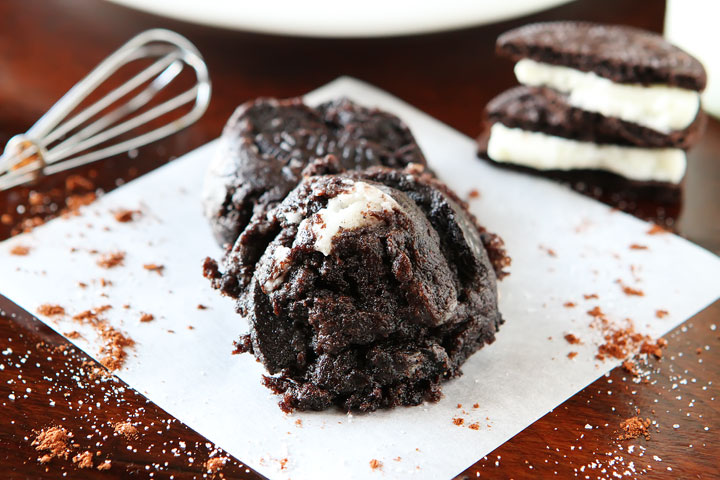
x=46, y=148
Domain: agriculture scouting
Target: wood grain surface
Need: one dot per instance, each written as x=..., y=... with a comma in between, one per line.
x=47, y=45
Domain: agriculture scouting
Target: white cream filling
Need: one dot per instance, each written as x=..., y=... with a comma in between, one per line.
x=278, y=269
x=357, y=207
x=546, y=152
x=660, y=107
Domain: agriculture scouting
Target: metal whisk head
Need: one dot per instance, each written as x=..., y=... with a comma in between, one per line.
x=58, y=142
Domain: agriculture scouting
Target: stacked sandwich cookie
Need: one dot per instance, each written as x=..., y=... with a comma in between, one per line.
x=612, y=106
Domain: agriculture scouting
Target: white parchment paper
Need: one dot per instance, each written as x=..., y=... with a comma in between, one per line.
x=191, y=374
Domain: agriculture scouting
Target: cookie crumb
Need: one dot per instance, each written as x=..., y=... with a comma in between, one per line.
x=630, y=367
x=590, y=296
x=20, y=250
x=147, y=317
x=214, y=465
x=474, y=194
x=376, y=464
x=83, y=460
x=661, y=313
x=630, y=291
x=201, y=307
x=656, y=229
x=637, y=246
x=105, y=465
x=474, y=426
x=572, y=339
x=111, y=260
x=654, y=349
x=124, y=215
x=152, y=267
x=126, y=429
x=572, y=355
x=50, y=310
x=458, y=421
x=569, y=304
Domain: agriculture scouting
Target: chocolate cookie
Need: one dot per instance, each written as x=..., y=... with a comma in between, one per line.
x=548, y=111
x=364, y=290
x=267, y=144
x=619, y=53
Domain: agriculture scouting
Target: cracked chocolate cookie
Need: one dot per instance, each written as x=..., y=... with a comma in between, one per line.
x=268, y=143
x=364, y=289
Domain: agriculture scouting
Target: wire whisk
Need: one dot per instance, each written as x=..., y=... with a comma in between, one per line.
x=57, y=143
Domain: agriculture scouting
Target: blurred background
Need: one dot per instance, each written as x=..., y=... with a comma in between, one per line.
x=438, y=56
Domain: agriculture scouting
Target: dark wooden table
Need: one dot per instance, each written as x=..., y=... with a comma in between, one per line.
x=47, y=45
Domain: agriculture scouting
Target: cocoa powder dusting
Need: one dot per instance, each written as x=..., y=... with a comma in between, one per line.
x=113, y=352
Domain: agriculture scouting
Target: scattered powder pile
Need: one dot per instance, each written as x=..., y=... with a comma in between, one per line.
x=633, y=428
x=621, y=341
x=54, y=441
x=126, y=429
x=113, y=353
